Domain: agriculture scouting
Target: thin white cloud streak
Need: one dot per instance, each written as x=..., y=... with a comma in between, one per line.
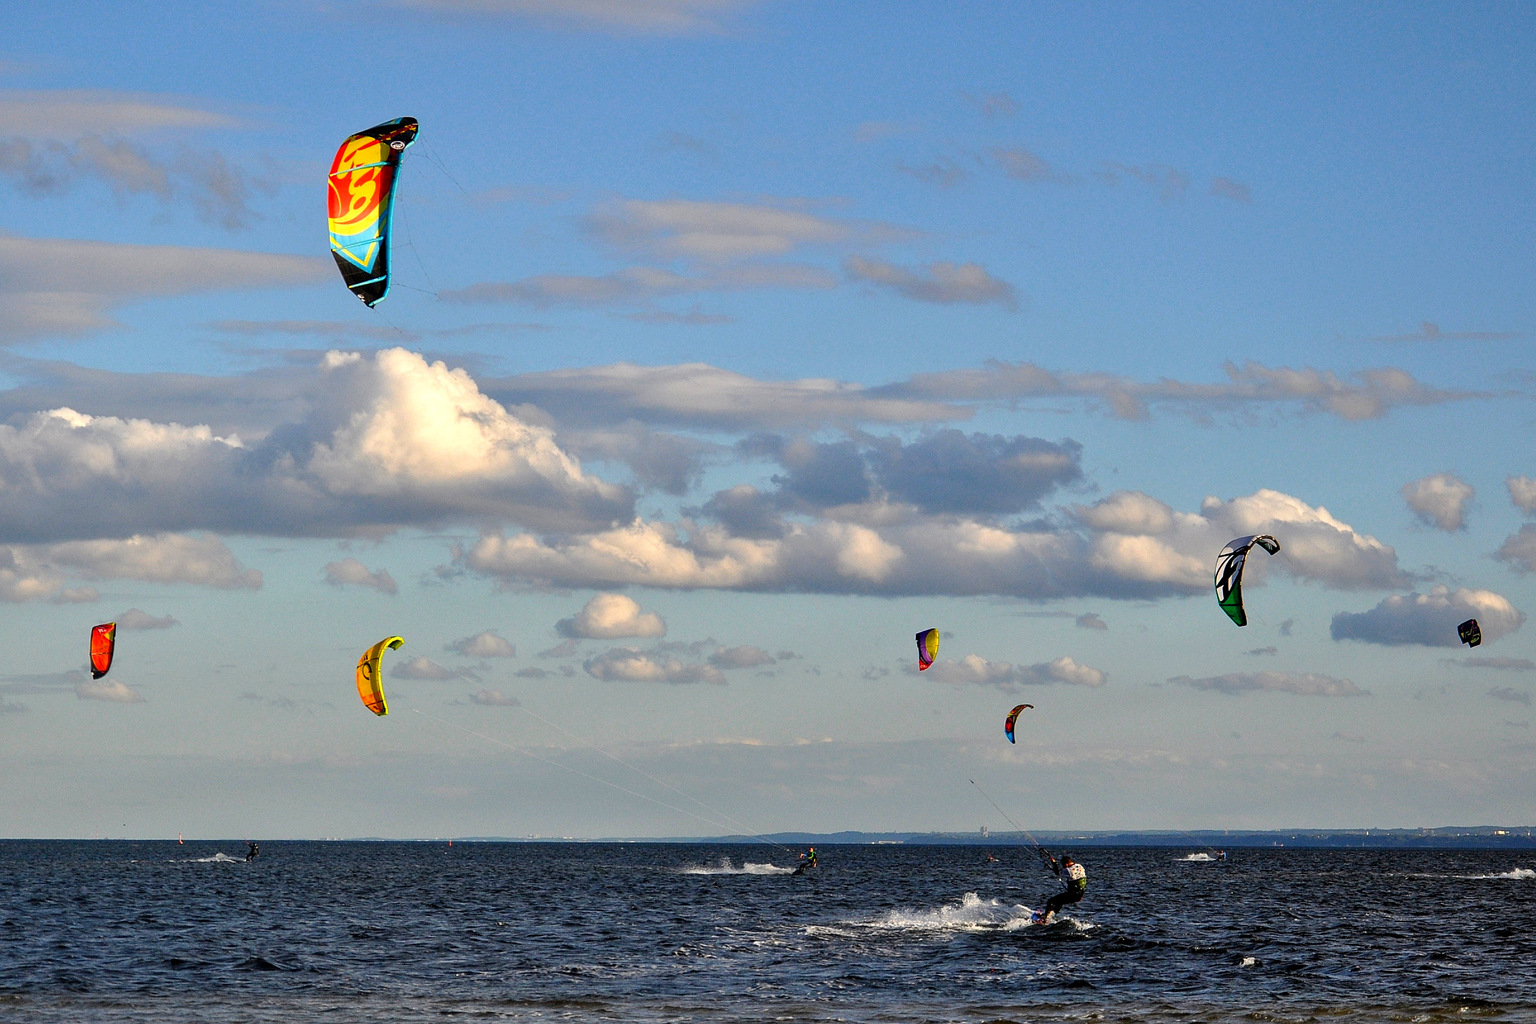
x=941, y=282
x=1302, y=684
x=614, y=17
x=51, y=287
x=135, y=619
x=61, y=114
x=976, y=670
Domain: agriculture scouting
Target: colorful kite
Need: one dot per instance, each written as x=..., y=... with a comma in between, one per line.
x=1229, y=573
x=1470, y=632
x=369, y=686
x=927, y=648
x=362, y=197
x=1013, y=716
x=103, y=644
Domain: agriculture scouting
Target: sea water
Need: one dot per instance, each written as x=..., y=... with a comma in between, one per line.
x=425, y=931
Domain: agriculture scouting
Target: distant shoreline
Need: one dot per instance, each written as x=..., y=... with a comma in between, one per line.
x=1479, y=837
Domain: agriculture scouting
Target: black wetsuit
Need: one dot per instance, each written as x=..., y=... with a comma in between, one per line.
x=1077, y=884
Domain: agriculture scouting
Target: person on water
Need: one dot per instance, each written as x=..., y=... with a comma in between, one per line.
x=808, y=858
x=252, y=851
x=1075, y=876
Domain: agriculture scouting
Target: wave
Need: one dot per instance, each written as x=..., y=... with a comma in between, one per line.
x=218, y=858
x=971, y=914
x=1198, y=858
x=725, y=867
x=1522, y=874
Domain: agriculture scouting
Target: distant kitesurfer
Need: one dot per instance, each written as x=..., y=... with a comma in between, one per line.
x=807, y=861
x=1075, y=877
x=252, y=851
x=1221, y=854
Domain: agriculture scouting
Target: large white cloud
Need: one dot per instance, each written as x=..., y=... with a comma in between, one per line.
x=1128, y=545
x=1429, y=619
x=1439, y=500
x=394, y=441
x=612, y=617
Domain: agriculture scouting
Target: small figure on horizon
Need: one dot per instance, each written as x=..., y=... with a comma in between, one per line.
x=252, y=851
x=1075, y=876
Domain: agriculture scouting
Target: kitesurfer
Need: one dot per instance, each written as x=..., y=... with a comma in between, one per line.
x=807, y=861
x=252, y=851
x=1075, y=877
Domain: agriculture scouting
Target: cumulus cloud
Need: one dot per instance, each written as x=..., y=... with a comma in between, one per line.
x=423, y=668
x=202, y=560
x=488, y=644
x=1127, y=546
x=744, y=656
x=978, y=670
x=393, y=441
x=351, y=572
x=942, y=283
x=1519, y=549
x=1440, y=500
x=64, y=287
x=1428, y=619
x=133, y=619
x=1522, y=491
x=112, y=691
x=610, y=617
x=1302, y=684
x=493, y=699
x=627, y=664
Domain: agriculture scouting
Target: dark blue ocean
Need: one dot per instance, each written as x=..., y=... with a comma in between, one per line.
x=381, y=932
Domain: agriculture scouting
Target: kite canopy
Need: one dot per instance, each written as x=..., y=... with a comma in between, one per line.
x=103, y=643
x=1013, y=716
x=927, y=648
x=369, y=686
x=1229, y=573
x=1470, y=632
x=362, y=197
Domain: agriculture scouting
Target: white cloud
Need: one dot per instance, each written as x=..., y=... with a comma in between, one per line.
x=61, y=287
x=1129, y=546
x=1440, y=500
x=162, y=558
x=744, y=656
x=609, y=617
x=109, y=690
x=133, y=619
x=488, y=644
x=1302, y=684
x=493, y=699
x=351, y=572
x=1522, y=491
x=975, y=669
x=943, y=283
x=1429, y=619
x=627, y=664
x=618, y=17
x=63, y=114
x=714, y=232
x=423, y=668
x=389, y=440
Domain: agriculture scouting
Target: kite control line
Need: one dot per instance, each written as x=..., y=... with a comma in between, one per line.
x=1046, y=860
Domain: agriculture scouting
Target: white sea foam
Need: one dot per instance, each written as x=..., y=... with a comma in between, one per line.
x=1523, y=874
x=218, y=858
x=971, y=914
x=1198, y=858
x=725, y=867
x=1249, y=961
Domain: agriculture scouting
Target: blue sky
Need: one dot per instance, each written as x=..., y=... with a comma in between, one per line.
x=728, y=345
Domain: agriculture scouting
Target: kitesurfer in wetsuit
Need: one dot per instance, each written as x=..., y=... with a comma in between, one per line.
x=1075, y=877
x=252, y=851
x=807, y=861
